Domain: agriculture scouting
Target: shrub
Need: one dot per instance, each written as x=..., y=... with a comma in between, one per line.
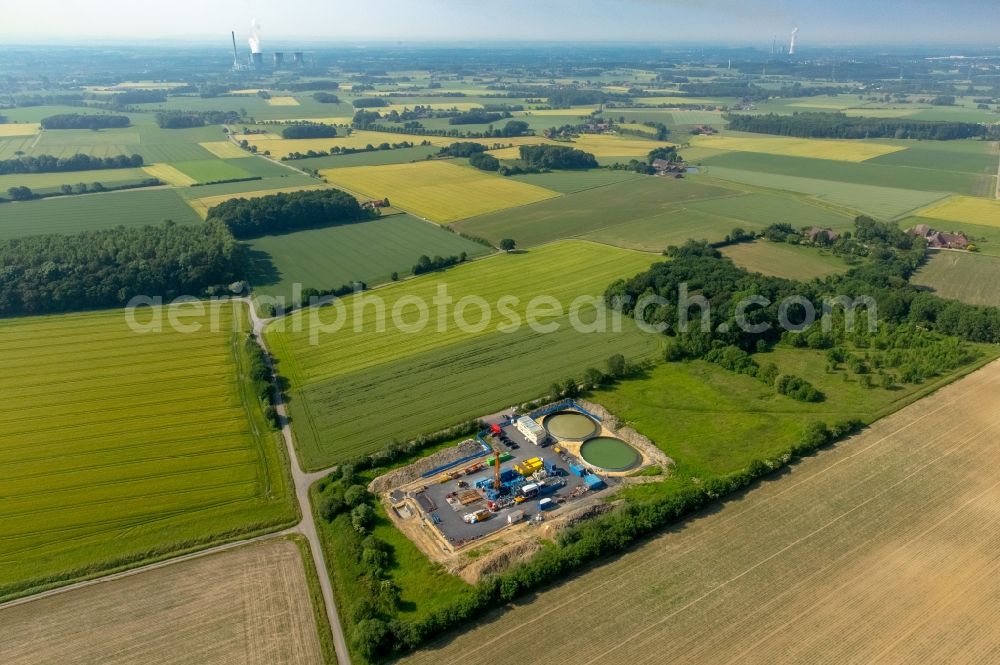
x=362, y=517
x=355, y=495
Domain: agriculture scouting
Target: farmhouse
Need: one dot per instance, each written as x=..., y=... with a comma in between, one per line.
x=663, y=167
x=822, y=236
x=940, y=239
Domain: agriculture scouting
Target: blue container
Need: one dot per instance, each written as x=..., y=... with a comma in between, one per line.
x=593, y=482
x=576, y=470
x=509, y=474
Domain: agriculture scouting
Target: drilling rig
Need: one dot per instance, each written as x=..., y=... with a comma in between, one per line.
x=496, y=469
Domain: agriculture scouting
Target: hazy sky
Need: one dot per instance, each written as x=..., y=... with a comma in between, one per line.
x=666, y=21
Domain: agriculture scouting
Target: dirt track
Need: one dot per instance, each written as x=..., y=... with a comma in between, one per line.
x=884, y=549
x=248, y=605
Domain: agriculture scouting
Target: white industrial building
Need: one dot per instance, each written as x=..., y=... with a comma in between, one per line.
x=531, y=430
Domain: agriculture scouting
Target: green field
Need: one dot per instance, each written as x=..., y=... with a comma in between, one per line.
x=255, y=107
x=259, y=166
x=712, y=421
x=884, y=202
x=51, y=182
x=649, y=214
x=979, y=157
x=143, y=137
x=368, y=252
x=374, y=158
x=713, y=219
x=424, y=380
x=569, y=182
x=123, y=446
x=154, y=144
x=285, y=179
x=869, y=172
x=211, y=170
x=589, y=210
x=962, y=276
x=783, y=260
x=90, y=212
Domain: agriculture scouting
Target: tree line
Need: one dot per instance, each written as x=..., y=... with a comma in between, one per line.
x=22, y=193
x=840, y=126
x=477, y=117
x=289, y=211
x=556, y=157
x=185, y=119
x=426, y=264
x=891, y=258
x=60, y=273
x=84, y=121
x=77, y=162
x=309, y=131
x=369, y=102
x=326, y=98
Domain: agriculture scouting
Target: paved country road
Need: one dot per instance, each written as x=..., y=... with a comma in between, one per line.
x=303, y=480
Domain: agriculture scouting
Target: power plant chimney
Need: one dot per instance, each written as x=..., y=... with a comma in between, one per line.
x=236, y=57
x=791, y=44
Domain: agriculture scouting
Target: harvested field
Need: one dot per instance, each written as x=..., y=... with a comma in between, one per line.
x=282, y=101
x=842, y=150
x=609, y=145
x=224, y=149
x=279, y=147
x=882, y=549
x=984, y=212
x=438, y=191
x=19, y=129
x=599, y=145
x=360, y=139
x=203, y=204
x=169, y=174
x=249, y=605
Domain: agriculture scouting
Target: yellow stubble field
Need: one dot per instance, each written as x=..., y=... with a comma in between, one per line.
x=838, y=150
x=436, y=190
